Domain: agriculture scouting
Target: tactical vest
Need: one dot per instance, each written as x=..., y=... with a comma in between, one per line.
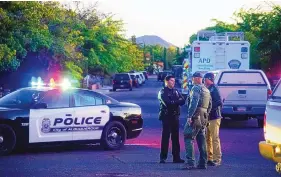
x=205, y=97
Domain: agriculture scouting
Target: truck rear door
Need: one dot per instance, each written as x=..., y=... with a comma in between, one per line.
x=237, y=55
x=273, y=118
x=219, y=55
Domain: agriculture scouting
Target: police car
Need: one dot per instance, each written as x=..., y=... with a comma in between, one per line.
x=45, y=113
x=270, y=147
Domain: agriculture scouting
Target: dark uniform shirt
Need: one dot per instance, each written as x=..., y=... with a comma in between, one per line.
x=216, y=102
x=170, y=102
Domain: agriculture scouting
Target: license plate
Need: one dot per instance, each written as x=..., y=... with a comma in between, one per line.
x=241, y=109
x=121, y=85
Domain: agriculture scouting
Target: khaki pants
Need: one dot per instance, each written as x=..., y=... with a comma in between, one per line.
x=213, y=141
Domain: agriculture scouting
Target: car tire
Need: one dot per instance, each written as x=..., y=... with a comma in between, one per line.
x=114, y=131
x=260, y=123
x=131, y=89
x=278, y=168
x=114, y=89
x=8, y=138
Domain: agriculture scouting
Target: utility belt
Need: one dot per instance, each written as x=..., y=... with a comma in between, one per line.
x=164, y=113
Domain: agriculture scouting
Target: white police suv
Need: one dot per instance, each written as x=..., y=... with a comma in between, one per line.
x=270, y=148
x=55, y=113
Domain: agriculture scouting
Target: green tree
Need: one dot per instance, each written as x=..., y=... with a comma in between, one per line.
x=79, y=40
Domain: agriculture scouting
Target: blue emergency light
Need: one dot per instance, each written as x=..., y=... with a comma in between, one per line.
x=244, y=49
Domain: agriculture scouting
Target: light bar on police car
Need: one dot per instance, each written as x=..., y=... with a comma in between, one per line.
x=39, y=82
x=65, y=84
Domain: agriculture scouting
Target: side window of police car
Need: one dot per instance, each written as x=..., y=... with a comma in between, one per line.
x=86, y=98
x=56, y=99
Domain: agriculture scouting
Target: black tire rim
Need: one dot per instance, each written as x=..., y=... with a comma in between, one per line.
x=114, y=136
x=6, y=140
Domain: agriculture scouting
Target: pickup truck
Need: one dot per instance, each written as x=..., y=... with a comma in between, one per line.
x=271, y=147
x=244, y=93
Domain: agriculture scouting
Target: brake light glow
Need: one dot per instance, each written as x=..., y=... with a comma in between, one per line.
x=269, y=92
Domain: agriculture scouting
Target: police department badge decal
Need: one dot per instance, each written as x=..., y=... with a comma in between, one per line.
x=234, y=64
x=46, y=123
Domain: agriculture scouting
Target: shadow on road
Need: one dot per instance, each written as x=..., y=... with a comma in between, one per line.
x=247, y=124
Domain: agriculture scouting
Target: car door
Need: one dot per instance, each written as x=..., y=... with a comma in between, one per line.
x=273, y=118
x=53, y=123
x=91, y=113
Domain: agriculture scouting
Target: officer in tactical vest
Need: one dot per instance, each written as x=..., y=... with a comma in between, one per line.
x=199, y=106
x=170, y=101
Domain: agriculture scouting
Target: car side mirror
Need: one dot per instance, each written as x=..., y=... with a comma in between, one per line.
x=40, y=106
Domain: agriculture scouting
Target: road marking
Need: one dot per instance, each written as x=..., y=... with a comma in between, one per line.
x=140, y=144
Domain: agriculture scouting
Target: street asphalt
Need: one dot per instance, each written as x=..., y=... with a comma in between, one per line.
x=140, y=156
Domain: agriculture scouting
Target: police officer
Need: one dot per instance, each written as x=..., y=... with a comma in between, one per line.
x=199, y=105
x=170, y=101
x=213, y=140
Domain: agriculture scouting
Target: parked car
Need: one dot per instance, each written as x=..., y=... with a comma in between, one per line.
x=244, y=93
x=145, y=74
x=122, y=81
x=142, y=77
x=137, y=81
x=162, y=75
x=271, y=147
x=159, y=75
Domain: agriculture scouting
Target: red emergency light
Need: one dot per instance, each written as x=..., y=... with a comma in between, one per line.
x=196, y=49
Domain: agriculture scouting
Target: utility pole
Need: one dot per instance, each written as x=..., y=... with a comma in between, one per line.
x=165, y=59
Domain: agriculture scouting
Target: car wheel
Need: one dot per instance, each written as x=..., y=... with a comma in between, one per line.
x=278, y=168
x=114, y=89
x=114, y=136
x=7, y=140
x=131, y=89
x=260, y=123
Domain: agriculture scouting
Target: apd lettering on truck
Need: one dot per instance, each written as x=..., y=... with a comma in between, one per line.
x=71, y=124
x=204, y=60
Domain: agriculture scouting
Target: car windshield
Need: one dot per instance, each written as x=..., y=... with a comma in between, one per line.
x=19, y=99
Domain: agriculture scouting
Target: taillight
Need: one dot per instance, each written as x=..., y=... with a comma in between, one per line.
x=113, y=82
x=269, y=92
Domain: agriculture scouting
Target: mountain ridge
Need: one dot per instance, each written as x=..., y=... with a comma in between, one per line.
x=153, y=40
